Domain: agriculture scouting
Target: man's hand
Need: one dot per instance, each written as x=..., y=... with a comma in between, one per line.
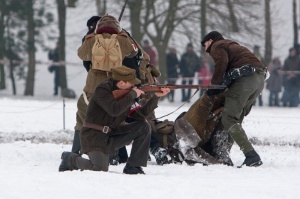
x=138, y=91
x=162, y=92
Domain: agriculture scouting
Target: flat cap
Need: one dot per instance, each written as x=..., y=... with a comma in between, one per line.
x=126, y=74
x=214, y=35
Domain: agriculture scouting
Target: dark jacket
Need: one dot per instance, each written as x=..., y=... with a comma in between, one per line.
x=291, y=64
x=172, y=64
x=189, y=64
x=228, y=54
x=274, y=83
x=104, y=110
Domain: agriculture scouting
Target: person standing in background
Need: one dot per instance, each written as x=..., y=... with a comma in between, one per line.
x=189, y=64
x=204, y=75
x=258, y=55
x=274, y=83
x=55, y=67
x=172, y=66
x=151, y=52
x=291, y=79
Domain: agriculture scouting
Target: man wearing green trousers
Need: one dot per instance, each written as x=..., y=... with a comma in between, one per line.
x=244, y=74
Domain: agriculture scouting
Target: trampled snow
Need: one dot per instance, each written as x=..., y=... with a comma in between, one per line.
x=32, y=139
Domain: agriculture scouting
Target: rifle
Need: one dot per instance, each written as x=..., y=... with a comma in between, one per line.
x=122, y=11
x=118, y=94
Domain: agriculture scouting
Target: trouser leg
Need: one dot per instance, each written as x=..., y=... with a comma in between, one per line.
x=98, y=161
x=76, y=142
x=238, y=102
x=139, y=133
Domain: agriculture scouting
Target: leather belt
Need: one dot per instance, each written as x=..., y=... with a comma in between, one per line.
x=104, y=129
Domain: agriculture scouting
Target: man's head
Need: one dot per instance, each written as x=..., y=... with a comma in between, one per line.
x=146, y=43
x=91, y=23
x=125, y=76
x=256, y=48
x=189, y=47
x=210, y=37
x=292, y=51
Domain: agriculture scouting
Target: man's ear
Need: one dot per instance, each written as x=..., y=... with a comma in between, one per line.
x=120, y=83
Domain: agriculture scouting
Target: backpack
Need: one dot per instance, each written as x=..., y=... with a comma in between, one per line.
x=106, y=53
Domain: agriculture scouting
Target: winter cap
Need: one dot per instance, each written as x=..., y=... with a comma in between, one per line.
x=214, y=35
x=108, y=21
x=126, y=74
x=189, y=45
x=92, y=21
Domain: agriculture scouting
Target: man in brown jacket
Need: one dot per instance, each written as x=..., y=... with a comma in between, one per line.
x=245, y=75
x=104, y=129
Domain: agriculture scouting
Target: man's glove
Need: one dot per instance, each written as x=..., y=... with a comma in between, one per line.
x=212, y=92
x=161, y=155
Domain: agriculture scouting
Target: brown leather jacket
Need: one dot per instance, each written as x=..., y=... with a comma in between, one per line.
x=228, y=54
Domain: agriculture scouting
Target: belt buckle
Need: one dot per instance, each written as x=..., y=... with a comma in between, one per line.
x=105, y=129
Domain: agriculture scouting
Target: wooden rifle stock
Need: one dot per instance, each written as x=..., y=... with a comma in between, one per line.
x=118, y=94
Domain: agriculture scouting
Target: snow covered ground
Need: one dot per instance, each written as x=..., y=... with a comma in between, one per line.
x=32, y=139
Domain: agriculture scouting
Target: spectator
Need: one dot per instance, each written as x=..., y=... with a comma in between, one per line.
x=55, y=67
x=274, y=83
x=151, y=52
x=291, y=79
x=257, y=54
x=189, y=64
x=172, y=66
x=204, y=75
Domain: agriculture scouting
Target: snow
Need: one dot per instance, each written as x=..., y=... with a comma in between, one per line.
x=32, y=139
x=34, y=131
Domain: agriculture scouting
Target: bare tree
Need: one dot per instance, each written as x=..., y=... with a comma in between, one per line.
x=295, y=24
x=29, y=87
x=4, y=12
x=101, y=7
x=268, y=33
x=61, y=8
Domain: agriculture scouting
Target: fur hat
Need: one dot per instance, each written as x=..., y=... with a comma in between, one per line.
x=214, y=35
x=126, y=74
x=108, y=22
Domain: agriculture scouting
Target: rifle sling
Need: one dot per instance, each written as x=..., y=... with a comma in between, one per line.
x=179, y=106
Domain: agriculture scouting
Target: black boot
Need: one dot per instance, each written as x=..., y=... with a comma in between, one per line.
x=67, y=161
x=123, y=155
x=160, y=155
x=133, y=170
x=252, y=159
x=76, y=142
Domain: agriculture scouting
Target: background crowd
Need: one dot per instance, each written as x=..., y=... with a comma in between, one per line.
x=282, y=87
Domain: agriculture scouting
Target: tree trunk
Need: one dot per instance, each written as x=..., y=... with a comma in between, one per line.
x=203, y=23
x=12, y=77
x=101, y=7
x=135, y=13
x=29, y=88
x=295, y=24
x=268, y=34
x=2, y=45
x=61, y=8
x=235, y=27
